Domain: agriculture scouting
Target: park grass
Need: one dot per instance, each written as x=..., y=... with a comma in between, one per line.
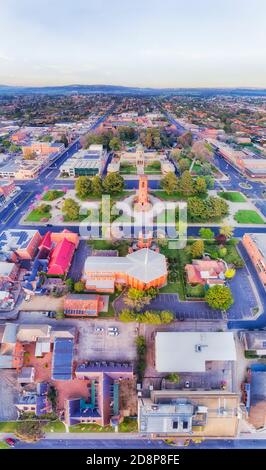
x=37, y=215
x=127, y=169
x=57, y=194
x=233, y=196
x=121, y=246
x=90, y=427
x=248, y=217
x=4, y=445
x=167, y=197
x=8, y=426
x=54, y=426
x=128, y=425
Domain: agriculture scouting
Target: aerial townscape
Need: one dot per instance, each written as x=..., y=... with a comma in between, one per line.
x=132, y=230
x=105, y=326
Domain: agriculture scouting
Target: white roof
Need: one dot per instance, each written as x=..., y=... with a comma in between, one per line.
x=6, y=268
x=188, y=352
x=143, y=264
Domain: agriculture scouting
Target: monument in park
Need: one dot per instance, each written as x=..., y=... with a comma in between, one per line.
x=142, y=201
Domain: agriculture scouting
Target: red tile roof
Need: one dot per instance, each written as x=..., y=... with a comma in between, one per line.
x=61, y=257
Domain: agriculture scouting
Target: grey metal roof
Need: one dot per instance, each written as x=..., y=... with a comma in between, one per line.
x=62, y=359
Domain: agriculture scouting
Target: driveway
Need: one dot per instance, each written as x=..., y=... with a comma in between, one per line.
x=8, y=395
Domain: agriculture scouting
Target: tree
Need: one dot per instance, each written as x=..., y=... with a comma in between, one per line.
x=137, y=298
x=202, y=150
x=197, y=249
x=79, y=286
x=173, y=377
x=169, y=183
x=230, y=273
x=45, y=208
x=183, y=164
x=115, y=144
x=126, y=315
x=113, y=183
x=200, y=185
x=196, y=209
x=219, y=297
x=166, y=316
x=83, y=186
x=186, y=184
x=30, y=155
x=127, y=133
x=206, y=168
x=220, y=239
x=217, y=208
x=29, y=430
x=206, y=233
x=70, y=284
x=227, y=231
x=176, y=154
x=71, y=209
x=186, y=139
x=96, y=186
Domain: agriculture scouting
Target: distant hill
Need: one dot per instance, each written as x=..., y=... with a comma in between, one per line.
x=124, y=90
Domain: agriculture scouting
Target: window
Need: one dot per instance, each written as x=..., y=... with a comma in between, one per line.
x=175, y=424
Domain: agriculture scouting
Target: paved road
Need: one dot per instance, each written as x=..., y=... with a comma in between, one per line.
x=140, y=444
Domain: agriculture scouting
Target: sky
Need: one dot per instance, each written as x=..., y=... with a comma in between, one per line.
x=154, y=43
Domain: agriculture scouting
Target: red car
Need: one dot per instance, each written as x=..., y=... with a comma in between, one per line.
x=10, y=441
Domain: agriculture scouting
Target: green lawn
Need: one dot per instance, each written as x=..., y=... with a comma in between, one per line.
x=248, y=217
x=37, y=215
x=121, y=246
x=4, y=445
x=8, y=426
x=128, y=425
x=127, y=169
x=86, y=427
x=53, y=194
x=167, y=197
x=233, y=196
x=54, y=426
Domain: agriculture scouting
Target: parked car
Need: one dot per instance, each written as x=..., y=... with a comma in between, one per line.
x=51, y=314
x=112, y=328
x=113, y=333
x=99, y=329
x=11, y=442
x=187, y=384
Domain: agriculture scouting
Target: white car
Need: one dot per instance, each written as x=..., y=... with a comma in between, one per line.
x=99, y=329
x=112, y=328
x=113, y=333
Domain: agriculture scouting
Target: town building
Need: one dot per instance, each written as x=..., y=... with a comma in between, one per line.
x=190, y=351
x=142, y=269
x=62, y=362
x=102, y=404
x=206, y=272
x=255, y=245
x=88, y=162
x=189, y=413
x=43, y=148
x=34, y=401
x=85, y=305
x=11, y=352
x=19, y=244
x=255, y=393
x=8, y=271
x=59, y=249
x=254, y=342
x=7, y=188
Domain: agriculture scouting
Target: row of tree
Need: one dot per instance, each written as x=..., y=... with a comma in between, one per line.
x=185, y=184
x=87, y=186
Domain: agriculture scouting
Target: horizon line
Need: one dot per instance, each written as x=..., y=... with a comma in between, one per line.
x=138, y=86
